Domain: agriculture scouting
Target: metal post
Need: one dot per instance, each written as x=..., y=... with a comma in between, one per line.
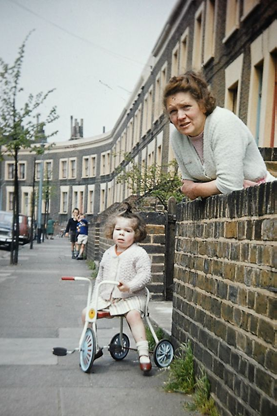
x=40, y=202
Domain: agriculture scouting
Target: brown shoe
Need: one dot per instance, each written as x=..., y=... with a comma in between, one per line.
x=145, y=367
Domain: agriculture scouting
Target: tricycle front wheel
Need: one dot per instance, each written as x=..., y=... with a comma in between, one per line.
x=88, y=350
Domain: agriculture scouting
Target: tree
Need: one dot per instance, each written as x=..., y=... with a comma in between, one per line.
x=161, y=182
x=20, y=127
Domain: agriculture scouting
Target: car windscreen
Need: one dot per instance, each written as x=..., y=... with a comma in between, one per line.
x=6, y=218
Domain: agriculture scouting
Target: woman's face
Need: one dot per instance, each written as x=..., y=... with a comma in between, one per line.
x=186, y=114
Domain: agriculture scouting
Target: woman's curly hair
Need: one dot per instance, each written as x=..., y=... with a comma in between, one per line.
x=138, y=224
x=196, y=85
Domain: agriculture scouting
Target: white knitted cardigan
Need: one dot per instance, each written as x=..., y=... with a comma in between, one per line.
x=133, y=267
x=230, y=153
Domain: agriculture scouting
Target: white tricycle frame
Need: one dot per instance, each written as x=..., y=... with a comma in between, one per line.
x=120, y=344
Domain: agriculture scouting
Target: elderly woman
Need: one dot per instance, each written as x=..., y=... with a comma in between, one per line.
x=215, y=150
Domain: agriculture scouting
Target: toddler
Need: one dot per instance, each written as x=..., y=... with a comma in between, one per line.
x=130, y=265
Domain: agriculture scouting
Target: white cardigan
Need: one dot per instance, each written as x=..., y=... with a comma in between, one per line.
x=133, y=267
x=230, y=153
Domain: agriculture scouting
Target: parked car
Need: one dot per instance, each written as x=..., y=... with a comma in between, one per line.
x=6, y=221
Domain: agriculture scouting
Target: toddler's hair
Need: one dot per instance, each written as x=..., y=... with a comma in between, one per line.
x=137, y=222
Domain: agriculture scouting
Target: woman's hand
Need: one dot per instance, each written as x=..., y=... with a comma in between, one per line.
x=188, y=189
x=123, y=287
x=204, y=189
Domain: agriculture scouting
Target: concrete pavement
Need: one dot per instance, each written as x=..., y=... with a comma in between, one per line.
x=38, y=311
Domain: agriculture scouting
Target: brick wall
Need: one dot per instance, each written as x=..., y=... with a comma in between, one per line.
x=225, y=295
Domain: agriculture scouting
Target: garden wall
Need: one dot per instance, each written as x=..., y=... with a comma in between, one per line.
x=224, y=298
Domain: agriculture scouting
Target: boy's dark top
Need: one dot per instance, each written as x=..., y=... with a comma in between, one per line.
x=71, y=226
x=83, y=227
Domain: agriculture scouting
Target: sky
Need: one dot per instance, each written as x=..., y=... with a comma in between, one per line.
x=91, y=52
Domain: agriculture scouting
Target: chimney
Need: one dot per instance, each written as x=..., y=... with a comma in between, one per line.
x=71, y=127
x=104, y=129
x=77, y=130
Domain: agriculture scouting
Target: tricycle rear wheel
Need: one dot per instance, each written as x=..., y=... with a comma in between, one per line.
x=117, y=349
x=163, y=353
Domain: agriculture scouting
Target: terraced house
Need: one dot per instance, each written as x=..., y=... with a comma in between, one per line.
x=232, y=42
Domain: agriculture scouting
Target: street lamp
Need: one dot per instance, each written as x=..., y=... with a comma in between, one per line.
x=39, y=222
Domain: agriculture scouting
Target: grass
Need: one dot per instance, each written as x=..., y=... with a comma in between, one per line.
x=182, y=379
x=92, y=266
x=202, y=401
x=150, y=338
x=181, y=374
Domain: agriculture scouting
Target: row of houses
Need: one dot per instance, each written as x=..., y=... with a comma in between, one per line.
x=232, y=42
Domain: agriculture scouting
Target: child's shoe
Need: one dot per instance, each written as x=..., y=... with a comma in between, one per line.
x=144, y=360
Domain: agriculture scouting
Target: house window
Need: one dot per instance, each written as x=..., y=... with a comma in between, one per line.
x=21, y=171
x=262, y=92
x=209, y=39
x=48, y=169
x=10, y=171
x=85, y=167
x=145, y=114
x=233, y=75
x=90, y=201
x=81, y=201
x=10, y=201
x=25, y=203
x=109, y=202
x=164, y=77
x=122, y=147
x=129, y=138
x=259, y=72
x=72, y=168
x=63, y=168
x=159, y=156
x=75, y=200
x=151, y=159
x=248, y=6
x=102, y=202
x=64, y=201
x=137, y=126
x=103, y=165
x=175, y=61
x=232, y=100
x=184, y=51
x=37, y=171
x=157, y=106
x=78, y=193
x=93, y=166
x=198, y=38
x=232, y=18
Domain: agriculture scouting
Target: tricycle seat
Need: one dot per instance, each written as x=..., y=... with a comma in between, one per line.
x=103, y=314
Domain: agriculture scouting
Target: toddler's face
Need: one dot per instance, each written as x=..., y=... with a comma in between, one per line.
x=123, y=234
